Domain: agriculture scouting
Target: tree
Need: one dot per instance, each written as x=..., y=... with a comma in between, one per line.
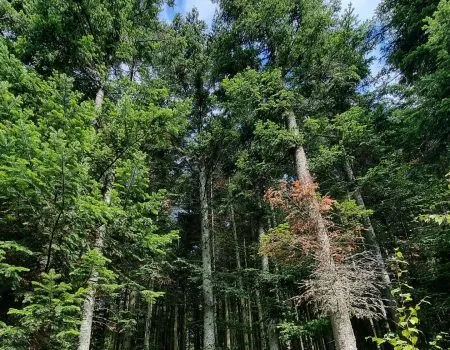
x=298, y=27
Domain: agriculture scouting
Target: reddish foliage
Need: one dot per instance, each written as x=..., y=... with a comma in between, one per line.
x=297, y=199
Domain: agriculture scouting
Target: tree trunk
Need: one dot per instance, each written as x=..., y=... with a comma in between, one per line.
x=371, y=239
x=213, y=235
x=273, y=337
x=370, y=232
x=227, y=324
x=84, y=340
x=241, y=284
x=271, y=331
x=265, y=258
x=262, y=330
x=209, y=341
x=148, y=326
x=131, y=307
x=340, y=318
x=213, y=251
x=184, y=332
x=175, y=329
x=250, y=324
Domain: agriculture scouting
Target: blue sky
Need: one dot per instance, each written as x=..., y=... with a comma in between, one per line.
x=364, y=8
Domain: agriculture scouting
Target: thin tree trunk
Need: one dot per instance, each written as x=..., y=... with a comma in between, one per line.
x=236, y=243
x=213, y=236
x=340, y=316
x=84, y=340
x=250, y=324
x=157, y=331
x=184, y=332
x=175, y=329
x=272, y=333
x=302, y=347
x=227, y=324
x=265, y=258
x=370, y=237
x=209, y=341
x=213, y=250
x=148, y=326
x=241, y=284
x=131, y=307
x=273, y=337
x=370, y=232
x=262, y=330
x=245, y=322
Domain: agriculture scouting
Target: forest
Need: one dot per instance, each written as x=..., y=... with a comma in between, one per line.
x=249, y=184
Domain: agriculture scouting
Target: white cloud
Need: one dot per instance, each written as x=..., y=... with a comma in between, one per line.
x=364, y=8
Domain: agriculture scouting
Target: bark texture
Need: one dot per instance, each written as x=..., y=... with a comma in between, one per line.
x=209, y=339
x=340, y=317
x=84, y=340
x=371, y=237
x=372, y=241
x=148, y=326
x=241, y=283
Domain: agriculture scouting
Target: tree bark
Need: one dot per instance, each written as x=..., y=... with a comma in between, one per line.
x=227, y=322
x=372, y=240
x=209, y=339
x=271, y=331
x=250, y=324
x=131, y=307
x=241, y=283
x=273, y=337
x=175, y=329
x=370, y=232
x=262, y=331
x=340, y=317
x=264, y=258
x=84, y=340
x=148, y=326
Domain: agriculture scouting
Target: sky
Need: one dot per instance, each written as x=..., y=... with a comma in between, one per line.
x=364, y=8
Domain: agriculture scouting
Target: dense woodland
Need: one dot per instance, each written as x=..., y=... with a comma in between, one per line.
x=250, y=185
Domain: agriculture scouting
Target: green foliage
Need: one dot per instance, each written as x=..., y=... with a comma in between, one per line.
x=94, y=262
x=50, y=318
x=150, y=296
x=177, y=97
x=313, y=328
x=10, y=272
x=407, y=313
x=404, y=20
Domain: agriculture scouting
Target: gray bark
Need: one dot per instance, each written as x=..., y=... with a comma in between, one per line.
x=84, y=340
x=250, y=324
x=131, y=307
x=340, y=317
x=148, y=326
x=265, y=258
x=273, y=337
x=209, y=339
x=175, y=329
x=227, y=321
x=262, y=330
x=271, y=331
x=241, y=284
x=371, y=237
x=372, y=240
